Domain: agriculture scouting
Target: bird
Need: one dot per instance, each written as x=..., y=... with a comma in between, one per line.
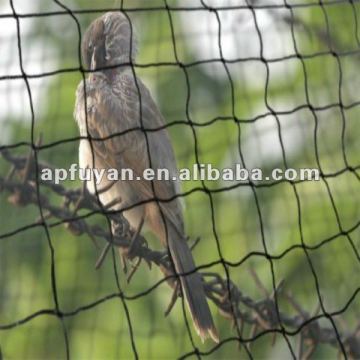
x=120, y=110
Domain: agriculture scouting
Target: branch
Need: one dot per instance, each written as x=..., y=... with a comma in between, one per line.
x=234, y=305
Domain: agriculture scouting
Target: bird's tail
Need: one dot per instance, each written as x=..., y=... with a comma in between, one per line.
x=192, y=286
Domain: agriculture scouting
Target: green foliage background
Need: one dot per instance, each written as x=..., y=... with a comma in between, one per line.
x=327, y=209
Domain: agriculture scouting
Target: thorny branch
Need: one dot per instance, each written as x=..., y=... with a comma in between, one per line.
x=260, y=315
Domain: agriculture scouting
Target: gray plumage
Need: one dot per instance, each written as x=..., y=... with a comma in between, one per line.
x=113, y=107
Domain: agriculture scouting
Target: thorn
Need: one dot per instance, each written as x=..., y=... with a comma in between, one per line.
x=29, y=161
x=123, y=261
x=133, y=270
x=26, y=171
x=259, y=283
x=10, y=173
x=252, y=334
x=278, y=288
x=81, y=198
x=296, y=306
x=310, y=351
x=273, y=341
x=134, y=240
x=173, y=299
x=195, y=243
x=241, y=331
x=102, y=256
x=300, y=346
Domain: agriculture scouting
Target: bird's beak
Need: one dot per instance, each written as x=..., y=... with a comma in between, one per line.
x=93, y=61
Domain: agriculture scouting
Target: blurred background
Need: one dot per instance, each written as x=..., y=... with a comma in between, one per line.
x=287, y=96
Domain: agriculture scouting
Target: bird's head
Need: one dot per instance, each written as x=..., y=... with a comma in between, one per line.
x=109, y=41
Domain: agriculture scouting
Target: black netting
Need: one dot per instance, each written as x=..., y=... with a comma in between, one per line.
x=263, y=84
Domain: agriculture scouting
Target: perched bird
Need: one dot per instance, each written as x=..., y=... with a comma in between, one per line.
x=120, y=110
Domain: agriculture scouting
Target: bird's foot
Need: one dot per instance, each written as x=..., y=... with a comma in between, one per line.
x=132, y=251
